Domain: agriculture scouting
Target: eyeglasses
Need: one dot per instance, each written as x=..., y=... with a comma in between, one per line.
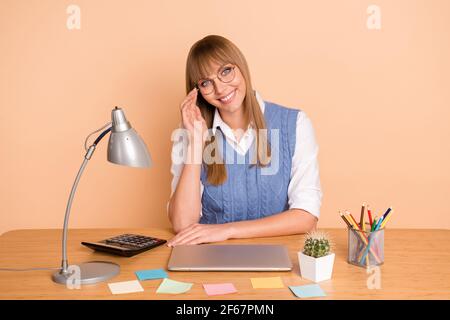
x=226, y=74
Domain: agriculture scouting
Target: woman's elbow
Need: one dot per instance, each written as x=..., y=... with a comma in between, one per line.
x=308, y=222
x=176, y=229
x=311, y=225
x=176, y=225
x=179, y=219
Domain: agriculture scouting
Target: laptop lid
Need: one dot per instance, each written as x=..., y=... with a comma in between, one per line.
x=229, y=258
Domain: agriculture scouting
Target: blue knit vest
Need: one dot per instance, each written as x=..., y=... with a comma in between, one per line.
x=252, y=192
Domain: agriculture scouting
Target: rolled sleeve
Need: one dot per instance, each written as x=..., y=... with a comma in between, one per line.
x=178, y=157
x=304, y=190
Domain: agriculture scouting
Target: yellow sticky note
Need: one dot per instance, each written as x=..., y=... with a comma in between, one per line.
x=273, y=282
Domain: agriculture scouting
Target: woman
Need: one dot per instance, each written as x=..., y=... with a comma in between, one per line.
x=273, y=189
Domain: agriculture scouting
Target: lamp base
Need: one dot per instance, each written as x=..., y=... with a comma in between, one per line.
x=89, y=273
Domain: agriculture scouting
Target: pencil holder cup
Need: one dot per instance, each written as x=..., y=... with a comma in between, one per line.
x=365, y=249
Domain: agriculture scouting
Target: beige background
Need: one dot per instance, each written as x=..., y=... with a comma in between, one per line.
x=379, y=101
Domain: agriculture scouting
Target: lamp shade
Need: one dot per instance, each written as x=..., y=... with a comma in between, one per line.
x=125, y=146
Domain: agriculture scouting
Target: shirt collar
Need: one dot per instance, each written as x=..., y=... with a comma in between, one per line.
x=218, y=122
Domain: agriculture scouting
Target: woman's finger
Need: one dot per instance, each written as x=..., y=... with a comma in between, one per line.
x=190, y=238
x=184, y=108
x=188, y=110
x=198, y=113
x=198, y=240
x=186, y=101
x=194, y=96
x=190, y=105
x=202, y=238
x=185, y=234
x=191, y=93
x=188, y=98
x=187, y=229
x=185, y=114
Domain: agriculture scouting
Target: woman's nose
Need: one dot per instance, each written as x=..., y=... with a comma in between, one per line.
x=219, y=87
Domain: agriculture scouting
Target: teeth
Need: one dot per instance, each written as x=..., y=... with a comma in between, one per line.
x=228, y=97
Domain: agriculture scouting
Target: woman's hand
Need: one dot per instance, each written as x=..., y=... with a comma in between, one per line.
x=201, y=233
x=192, y=118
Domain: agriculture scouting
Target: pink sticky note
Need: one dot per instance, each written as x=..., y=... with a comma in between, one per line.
x=219, y=288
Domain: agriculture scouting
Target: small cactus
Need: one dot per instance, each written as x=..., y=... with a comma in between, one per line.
x=317, y=244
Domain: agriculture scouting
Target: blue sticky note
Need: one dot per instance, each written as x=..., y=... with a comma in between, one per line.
x=308, y=291
x=151, y=274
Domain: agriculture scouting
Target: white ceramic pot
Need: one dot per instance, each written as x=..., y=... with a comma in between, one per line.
x=316, y=269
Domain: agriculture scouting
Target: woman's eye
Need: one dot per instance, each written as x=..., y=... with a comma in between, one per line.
x=226, y=71
x=205, y=83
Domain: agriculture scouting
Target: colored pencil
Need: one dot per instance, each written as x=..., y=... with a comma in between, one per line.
x=362, y=235
x=361, y=218
x=383, y=224
x=352, y=220
x=370, y=216
x=373, y=224
x=387, y=212
x=377, y=227
x=355, y=228
x=345, y=220
x=364, y=254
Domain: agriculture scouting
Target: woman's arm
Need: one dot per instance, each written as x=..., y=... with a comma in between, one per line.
x=293, y=221
x=184, y=205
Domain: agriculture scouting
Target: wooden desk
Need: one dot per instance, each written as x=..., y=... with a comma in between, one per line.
x=417, y=266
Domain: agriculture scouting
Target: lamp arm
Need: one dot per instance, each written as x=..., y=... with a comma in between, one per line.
x=87, y=157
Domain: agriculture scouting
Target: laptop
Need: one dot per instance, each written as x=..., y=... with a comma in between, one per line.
x=229, y=258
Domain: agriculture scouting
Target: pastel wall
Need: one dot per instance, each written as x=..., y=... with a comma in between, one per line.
x=379, y=100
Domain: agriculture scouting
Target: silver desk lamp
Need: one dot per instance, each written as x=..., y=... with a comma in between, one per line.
x=125, y=147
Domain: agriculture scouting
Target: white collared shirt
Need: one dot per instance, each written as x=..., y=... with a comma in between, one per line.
x=304, y=190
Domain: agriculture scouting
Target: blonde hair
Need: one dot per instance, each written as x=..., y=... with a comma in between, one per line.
x=214, y=48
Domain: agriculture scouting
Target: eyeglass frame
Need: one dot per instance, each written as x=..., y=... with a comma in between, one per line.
x=217, y=77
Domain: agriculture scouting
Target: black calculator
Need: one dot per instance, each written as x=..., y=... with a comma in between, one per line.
x=126, y=245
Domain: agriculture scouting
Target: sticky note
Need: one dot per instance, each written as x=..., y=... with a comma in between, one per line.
x=219, y=288
x=260, y=283
x=308, y=291
x=151, y=274
x=173, y=287
x=125, y=287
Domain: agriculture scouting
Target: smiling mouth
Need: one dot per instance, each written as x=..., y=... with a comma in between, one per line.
x=228, y=97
